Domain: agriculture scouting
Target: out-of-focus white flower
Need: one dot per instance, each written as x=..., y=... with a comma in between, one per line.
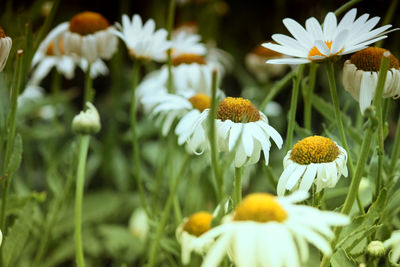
x=360, y=76
x=314, y=159
x=271, y=231
x=31, y=93
x=394, y=243
x=142, y=40
x=316, y=42
x=188, y=234
x=5, y=47
x=87, y=35
x=255, y=62
x=273, y=109
x=139, y=224
x=219, y=59
x=184, y=43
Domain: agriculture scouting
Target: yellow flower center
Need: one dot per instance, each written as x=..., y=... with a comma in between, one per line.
x=198, y=223
x=87, y=23
x=314, y=149
x=200, y=101
x=188, y=59
x=315, y=52
x=51, y=49
x=2, y=33
x=369, y=59
x=264, y=52
x=237, y=109
x=260, y=207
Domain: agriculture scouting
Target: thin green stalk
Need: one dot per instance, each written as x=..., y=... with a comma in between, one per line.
x=89, y=93
x=378, y=105
x=293, y=106
x=307, y=97
x=355, y=182
x=166, y=214
x=395, y=152
x=170, y=22
x=80, y=182
x=11, y=130
x=135, y=144
x=238, y=186
x=276, y=88
x=346, y=6
x=213, y=138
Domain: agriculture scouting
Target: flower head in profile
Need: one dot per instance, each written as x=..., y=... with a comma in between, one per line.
x=265, y=230
x=142, y=40
x=190, y=230
x=5, y=47
x=360, y=75
x=317, y=42
x=240, y=127
x=393, y=243
x=87, y=35
x=314, y=159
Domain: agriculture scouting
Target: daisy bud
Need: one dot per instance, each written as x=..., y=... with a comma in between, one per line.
x=87, y=122
x=376, y=249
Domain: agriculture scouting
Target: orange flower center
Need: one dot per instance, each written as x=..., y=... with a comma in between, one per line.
x=188, y=59
x=237, y=109
x=369, y=59
x=198, y=223
x=87, y=23
x=260, y=207
x=200, y=101
x=2, y=33
x=314, y=149
x=315, y=52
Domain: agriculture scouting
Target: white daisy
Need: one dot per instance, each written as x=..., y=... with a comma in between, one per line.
x=271, y=231
x=87, y=35
x=188, y=234
x=255, y=63
x=184, y=43
x=394, y=243
x=360, y=76
x=51, y=56
x=142, y=40
x=316, y=42
x=314, y=159
x=5, y=47
x=238, y=121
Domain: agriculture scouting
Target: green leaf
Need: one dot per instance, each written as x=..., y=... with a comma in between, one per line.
x=17, y=236
x=16, y=155
x=341, y=259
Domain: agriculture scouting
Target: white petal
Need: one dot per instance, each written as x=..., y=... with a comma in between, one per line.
x=308, y=178
x=298, y=32
x=293, y=61
x=285, y=177
x=367, y=90
x=295, y=177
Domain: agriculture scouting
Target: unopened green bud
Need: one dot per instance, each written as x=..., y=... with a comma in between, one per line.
x=376, y=249
x=87, y=122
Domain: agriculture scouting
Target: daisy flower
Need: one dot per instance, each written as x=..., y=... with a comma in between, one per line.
x=394, y=243
x=314, y=159
x=50, y=56
x=142, y=40
x=265, y=230
x=255, y=63
x=184, y=43
x=238, y=121
x=87, y=35
x=5, y=47
x=190, y=230
x=316, y=42
x=360, y=76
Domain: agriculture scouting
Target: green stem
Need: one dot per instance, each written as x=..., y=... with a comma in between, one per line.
x=165, y=214
x=276, y=88
x=80, y=182
x=238, y=186
x=378, y=105
x=293, y=106
x=395, y=152
x=213, y=139
x=307, y=97
x=11, y=130
x=89, y=93
x=170, y=22
x=346, y=6
x=135, y=144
